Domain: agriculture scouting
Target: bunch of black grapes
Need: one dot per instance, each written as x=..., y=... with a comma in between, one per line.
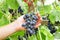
x=50, y=26
x=30, y=22
x=29, y=25
x=20, y=10
x=52, y=29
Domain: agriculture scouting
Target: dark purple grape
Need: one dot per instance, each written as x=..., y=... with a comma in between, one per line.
x=32, y=27
x=31, y=32
x=53, y=31
x=28, y=22
x=32, y=23
x=24, y=25
x=28, y=29
x=50, y=25
x=34, y=17
x=29, y=26
x=27, y=15
x=31, y=15
x=28, y=19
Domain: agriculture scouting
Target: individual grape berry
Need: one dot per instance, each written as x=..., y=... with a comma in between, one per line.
x=28, y=19
x=29, y=25
x=32, y=27
x=24, y=25
x=35, y=17
x=28, y=22
x=24, y=17
x=53, y=31
x=32, y=23
x=49, y=25
x=31, y=15
x=30, y=31
x=27, y=15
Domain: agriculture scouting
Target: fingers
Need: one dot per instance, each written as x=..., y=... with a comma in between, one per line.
x=37, y=25
x=38, y=21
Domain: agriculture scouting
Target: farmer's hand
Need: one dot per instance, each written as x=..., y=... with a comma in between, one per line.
x=20, y=21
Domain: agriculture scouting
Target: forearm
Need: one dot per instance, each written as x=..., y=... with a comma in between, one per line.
x=7, y=30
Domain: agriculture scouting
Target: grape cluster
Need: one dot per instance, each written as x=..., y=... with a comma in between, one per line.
x=52, y=29
x=20, y=10
x=30, y=21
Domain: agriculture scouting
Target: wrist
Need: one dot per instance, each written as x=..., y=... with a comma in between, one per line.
x=15, y=25
x=18, y=25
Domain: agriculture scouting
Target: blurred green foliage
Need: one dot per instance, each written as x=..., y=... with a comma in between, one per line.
x=43, y=32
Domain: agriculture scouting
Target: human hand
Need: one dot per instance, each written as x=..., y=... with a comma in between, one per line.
x=20, y=21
